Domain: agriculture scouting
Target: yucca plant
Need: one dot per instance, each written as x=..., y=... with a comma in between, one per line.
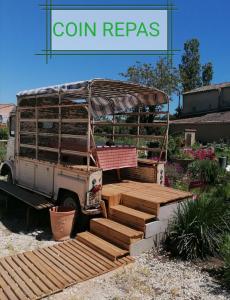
x=198, y=226
x=226, y=255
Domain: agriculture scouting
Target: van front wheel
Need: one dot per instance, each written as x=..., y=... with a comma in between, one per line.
x=9, y=177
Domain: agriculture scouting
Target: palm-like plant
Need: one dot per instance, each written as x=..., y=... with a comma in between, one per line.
x=197, y=229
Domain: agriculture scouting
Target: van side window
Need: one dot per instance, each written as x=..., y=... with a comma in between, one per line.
x=12, y=125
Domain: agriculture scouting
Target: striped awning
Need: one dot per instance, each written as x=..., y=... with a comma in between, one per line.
x=107, y=96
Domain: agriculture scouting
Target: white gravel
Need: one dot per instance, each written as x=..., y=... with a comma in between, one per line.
x=152, y=276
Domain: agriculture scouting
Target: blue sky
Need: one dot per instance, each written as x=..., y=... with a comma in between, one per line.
x=23, y=34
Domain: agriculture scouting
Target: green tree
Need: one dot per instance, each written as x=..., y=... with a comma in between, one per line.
x=192, y=74
x=161, y=75
x=190, y=67
x=207, y=73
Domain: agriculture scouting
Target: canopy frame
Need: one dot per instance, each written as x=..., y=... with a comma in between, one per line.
x=91, y=91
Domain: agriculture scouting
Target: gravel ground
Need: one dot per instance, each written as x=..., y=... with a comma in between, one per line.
x=152, y=276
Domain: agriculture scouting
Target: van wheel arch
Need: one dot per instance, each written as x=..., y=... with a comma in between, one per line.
x=6, y=171
x=69, y=198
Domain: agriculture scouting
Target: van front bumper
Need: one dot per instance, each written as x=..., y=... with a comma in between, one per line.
x=92, y=211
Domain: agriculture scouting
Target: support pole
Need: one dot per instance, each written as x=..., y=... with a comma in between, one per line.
x=36, y=118
x=89, y=128
x=138, y=127
x=59, y=128
x=114, y=128
x=167, y=133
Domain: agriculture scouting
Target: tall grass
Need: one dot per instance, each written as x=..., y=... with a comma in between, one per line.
x=226, y=255
x=197, y=229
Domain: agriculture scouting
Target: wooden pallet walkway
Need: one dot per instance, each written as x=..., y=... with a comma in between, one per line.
x=45, y=271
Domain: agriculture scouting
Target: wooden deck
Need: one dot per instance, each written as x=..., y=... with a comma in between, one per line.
x=147, y=197
x=37, y=274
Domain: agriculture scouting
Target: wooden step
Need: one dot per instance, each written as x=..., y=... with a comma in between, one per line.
x=116, y=233
x=131, y=217
x=103, y=247
x=141, y=203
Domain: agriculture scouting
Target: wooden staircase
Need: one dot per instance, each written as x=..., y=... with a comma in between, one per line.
x=133, y=210
x=130, y=217
x=115, y=236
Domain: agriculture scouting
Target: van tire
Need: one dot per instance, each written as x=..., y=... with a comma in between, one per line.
x=81, y=222
x=70, y=199
x=9, y=177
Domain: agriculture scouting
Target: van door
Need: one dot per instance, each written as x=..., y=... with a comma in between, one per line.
x=25, y=172
x=44, y=178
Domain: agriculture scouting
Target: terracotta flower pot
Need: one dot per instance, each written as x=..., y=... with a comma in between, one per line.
x=62, y=219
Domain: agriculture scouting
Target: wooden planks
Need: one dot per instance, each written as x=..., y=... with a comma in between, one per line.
x=130, y=217
x=37, y=274
x=141, y=203
x=103, y=247
x=116, y=233
x=147, y=197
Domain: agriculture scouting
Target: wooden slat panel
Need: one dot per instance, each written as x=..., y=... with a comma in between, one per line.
x=155, y=124
x=89, y=255
x=61, y=266
x=142, y=113
x=94, y=254
x=9, y=293
x=134, y=136
x=19, y=279
x=2, y=295
x=42, y=273
x=23, y=271
x=83, y=269
x=55, y=276
x=36, y=274
x=76, y=256
x=28, y=280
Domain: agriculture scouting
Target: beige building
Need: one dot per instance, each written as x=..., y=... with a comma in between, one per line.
x=213, y=127
x=206, y=99
x=206, y=110
x=5, y=110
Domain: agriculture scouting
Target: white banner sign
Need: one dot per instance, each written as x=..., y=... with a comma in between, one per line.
x=109, y=30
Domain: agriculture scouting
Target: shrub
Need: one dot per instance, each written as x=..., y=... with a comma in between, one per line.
x=3, y=133
x=207, y=171
x=2, y=152
x=174, y=145
x=226, y=255
x=223, y=150
x=197, y=228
